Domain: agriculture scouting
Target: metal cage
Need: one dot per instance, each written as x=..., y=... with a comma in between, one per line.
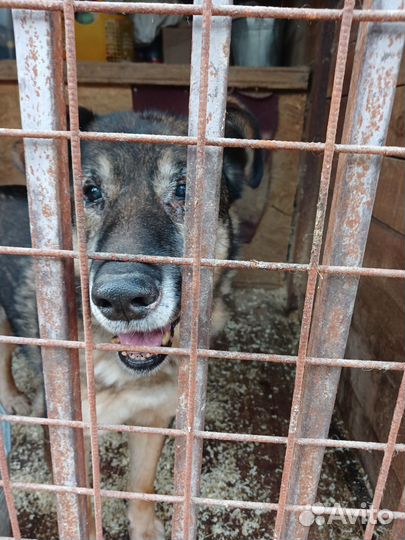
x=332, y=278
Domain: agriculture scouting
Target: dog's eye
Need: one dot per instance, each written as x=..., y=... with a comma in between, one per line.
x=92, y=193
x=180, y=191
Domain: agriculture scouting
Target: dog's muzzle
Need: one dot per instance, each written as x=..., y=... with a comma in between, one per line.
x=140, y=361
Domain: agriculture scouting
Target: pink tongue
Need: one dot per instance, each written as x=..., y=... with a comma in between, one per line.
x=152, y=339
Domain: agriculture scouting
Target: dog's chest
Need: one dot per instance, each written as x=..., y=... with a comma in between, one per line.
x=123, y=399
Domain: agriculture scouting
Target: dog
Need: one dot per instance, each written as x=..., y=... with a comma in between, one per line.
x=134, y=199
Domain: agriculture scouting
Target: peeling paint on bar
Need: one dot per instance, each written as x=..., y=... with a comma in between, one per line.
x=324, y=330
x=38, y=45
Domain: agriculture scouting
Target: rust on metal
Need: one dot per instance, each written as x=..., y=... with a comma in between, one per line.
x=38, y=45
x=387, y=15
x=388, y=457
x=208, y=263
x=287, y=482
x=398, y=528
x=73, y=105
x=212, y=353
x=378, y=55
x=208, y=94
x=323, y=331
x=206, y=435
x=265, y=144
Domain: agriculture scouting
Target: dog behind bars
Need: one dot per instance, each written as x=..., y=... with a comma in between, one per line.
x=134, y=197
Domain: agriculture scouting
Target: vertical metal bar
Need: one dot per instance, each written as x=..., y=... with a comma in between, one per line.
x=68, y=10
x=208, y=92
x=398, y=528
x=370, y=101
x=299, y=386
x=387, y=459
x=311, y=163
x=40, y=99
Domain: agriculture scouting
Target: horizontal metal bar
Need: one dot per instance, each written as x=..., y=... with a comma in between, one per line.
x=206, y=435
x=210, y=354
x=106, y=493
x=253, y=505
x=266, y=144
x=217, y=11
x=392, y=273
x=173, y=499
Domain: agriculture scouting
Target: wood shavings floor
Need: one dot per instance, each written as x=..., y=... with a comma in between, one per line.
x=244, y=397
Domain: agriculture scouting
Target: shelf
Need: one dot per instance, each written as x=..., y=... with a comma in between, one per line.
x=126, y=73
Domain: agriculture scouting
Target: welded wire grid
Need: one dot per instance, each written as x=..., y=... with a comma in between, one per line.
x=314, y=268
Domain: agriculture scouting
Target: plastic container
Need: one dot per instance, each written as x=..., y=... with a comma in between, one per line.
x=256, y=42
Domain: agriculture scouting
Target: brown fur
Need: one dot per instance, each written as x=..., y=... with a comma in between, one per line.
x=138, y=183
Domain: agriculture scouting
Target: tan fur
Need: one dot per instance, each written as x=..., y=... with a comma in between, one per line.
x=11, y=398
x=149, y=401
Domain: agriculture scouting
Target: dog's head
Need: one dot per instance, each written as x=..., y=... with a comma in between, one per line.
x=134, y=197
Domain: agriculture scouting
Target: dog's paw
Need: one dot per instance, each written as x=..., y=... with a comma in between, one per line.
x=16, y=403
x=142, y=529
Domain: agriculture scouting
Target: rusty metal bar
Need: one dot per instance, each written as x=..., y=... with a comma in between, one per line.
x=398, y=528
x=286, y=480
x=209, y=263
x=387, y=15
x=388, y=456
x=172, y=499
x=211, y=435
x=38, y=45
x=208, y=94
x=212, y=353
x=70, y=47
x=378, y=55
x=269, y=144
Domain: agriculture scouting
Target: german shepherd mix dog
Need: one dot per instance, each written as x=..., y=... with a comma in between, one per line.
x=134, y=200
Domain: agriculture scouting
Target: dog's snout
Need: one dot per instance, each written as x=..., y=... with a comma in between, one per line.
x=126, y=296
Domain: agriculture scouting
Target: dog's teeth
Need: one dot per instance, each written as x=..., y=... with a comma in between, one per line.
x=124, y=353
x=166, y=338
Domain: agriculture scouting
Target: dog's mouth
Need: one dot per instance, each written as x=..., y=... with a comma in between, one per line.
x=142, y=362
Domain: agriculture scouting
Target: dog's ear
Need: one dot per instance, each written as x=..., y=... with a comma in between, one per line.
x=85, y=118
x=242, y=166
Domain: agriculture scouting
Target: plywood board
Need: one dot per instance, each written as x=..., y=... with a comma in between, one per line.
x=378, y=325
x=272, y=238
x=9, y=118
x=102, y=101
x=396, y=132
x=105, y=100
x=389, y=206
x=131, y=73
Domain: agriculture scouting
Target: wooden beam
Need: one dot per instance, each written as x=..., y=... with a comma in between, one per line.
x=132, y=73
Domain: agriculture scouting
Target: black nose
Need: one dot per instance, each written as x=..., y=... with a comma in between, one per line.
x=125, y=296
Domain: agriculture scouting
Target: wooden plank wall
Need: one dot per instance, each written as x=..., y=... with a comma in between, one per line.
x=366, y=399
x=102, y=100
